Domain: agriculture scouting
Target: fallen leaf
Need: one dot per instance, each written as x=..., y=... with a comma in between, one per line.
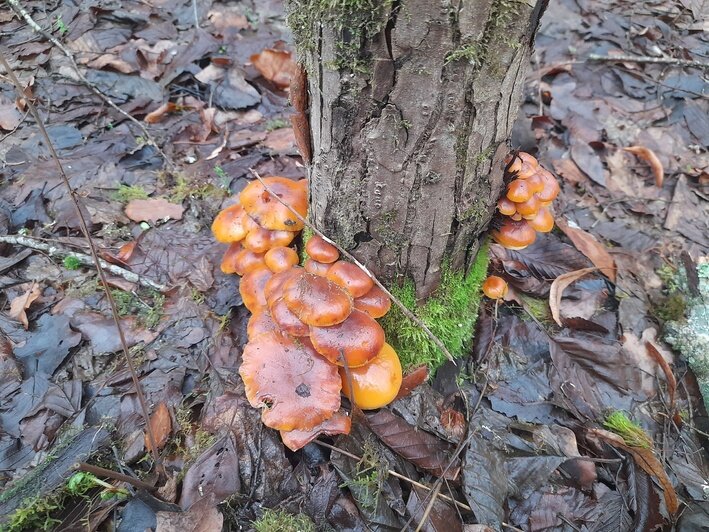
x=214, y=473
x=153, y=210
x=203, y=516
x=587, y=244
x=161, y=426
x=411, y=380
x=154, y=117
x=648, y=462
x=649, y=156
x=421, y=448
x=557, y=290
x=666, y=369
x=276, y=66
x=281, y=140
x=10, y=117
x=20, y=304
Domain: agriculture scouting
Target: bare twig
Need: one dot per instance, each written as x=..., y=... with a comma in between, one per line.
x=196, y=14
x=647, y=59
x=94, y=254
x=83, y=259
x=115, y=475
x=410, y=315
x=22, y=12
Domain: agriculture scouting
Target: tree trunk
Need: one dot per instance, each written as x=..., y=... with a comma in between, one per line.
x=412, y=104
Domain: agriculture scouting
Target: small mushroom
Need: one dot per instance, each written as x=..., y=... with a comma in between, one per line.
x=514, y=235
x=551, y=186
x=506, y=207
x=260, y=240
x=543, y=221
x=317, y=301
x=376, y=302
x=251, y=288
x=274, y=286
x=350, y=277
x=270, y=213
x=495, y=287
x=519, y=191
x=528, y=208
x=358, y=339
x=317, y=268
x=231, y=224
x=286, y=320
x=376, y=384
x=260, y=323
x=320, y=250
x=281, y=258
x=239, y=260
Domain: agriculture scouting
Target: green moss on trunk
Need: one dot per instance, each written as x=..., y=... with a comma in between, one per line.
x=450, y=313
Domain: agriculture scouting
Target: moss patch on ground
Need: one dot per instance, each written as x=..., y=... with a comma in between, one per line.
x=450, y=313
x=281, y=521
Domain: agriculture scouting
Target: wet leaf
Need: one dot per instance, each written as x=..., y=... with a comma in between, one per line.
x=558, y=287
x=587, y=244
x=47, y=348
x=153, y=210
x=441, y=518
x=276, y=66
x=20, y=304
x=412, y=379
x=214, y=474
x=203, y=516
x=161, y=425
x=485, y=482
x=649, y=156
x=421, y=448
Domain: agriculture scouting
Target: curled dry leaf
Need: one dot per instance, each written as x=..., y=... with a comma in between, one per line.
x=339, y=423
x=558, y=287
x=20, y=304
x=411, y=380
x=276, y=66
x=649, y=156
x=161, y=425
x=587, y=244
x=647, y=461
x=666, y=369
x=298, y=387
x=154, y=117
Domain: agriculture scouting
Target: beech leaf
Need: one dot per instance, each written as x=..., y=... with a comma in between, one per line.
x=20, y=304
x=161, y=425
x=276, y=66
x=587, y=244
x=558, y=287
x=153, y=210
x=649, y=156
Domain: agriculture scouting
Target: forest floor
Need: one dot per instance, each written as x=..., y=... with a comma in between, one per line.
x=518, y=434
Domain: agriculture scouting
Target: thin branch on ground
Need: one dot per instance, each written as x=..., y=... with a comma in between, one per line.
x=94, y=254
x=647, y=59
x=410, y=315
x=435, y=493
x=82, y=258
x=22, y=12
x=396, y=475
x=115, y=475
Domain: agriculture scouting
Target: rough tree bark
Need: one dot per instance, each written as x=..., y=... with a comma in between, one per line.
x=412, y=104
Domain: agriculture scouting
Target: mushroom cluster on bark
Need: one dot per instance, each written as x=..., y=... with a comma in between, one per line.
x=313, y=332
x=525, y=206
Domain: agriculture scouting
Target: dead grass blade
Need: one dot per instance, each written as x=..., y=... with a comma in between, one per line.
x=649, y=156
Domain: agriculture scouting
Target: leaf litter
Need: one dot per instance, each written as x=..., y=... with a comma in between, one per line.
x=546, y=370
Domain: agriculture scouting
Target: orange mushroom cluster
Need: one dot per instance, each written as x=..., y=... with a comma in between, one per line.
x=313, y=329
x=525, y=206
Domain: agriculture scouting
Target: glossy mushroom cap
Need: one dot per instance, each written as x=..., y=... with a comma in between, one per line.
x=350, y=277
x=514, y=235
x=260, y=323
x=506, y=207
x=551, y=186
x=543, y=221
x=495, y=287
x=375, y=302
x=317, y=301
x=231, y=225
x=274, y=286
x=518, y=191
x=358, y=339
x=529, y=207
x=260, y=240
x=270, y=213
x=280, y=258
x=241, y=261
x=316, y=268
x=286, y=320
x=251, y=288
x=376, y=384
x=320, y=250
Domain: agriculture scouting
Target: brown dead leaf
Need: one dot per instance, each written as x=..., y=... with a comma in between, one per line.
x=276, y=66
x=161, y=425
x=649, y=156
x=10, y=117
x=557, y=290
x=647, y=461
x=203, y=516
x=587, y=244
x=20, y=304
x=153, y=210
x=411, y=380
x=155, y=116
x=654, y=352
x=281, y=140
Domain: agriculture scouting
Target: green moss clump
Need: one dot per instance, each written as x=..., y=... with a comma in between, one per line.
x=281, y=521
x=126, y=193
x=450, y=313
x=671, y=308
x=72, y=263
x=538, y=308
x=632, y=434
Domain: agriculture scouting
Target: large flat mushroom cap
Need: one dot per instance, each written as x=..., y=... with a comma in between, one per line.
x=270, y=213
